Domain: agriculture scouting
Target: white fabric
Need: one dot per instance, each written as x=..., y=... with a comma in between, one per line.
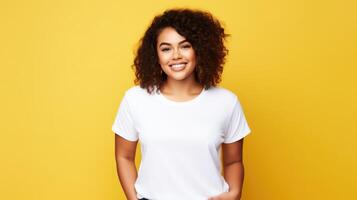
x=180, y=141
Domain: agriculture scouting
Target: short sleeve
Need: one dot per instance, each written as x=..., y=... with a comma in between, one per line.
x=124, y=124
x=236, y=125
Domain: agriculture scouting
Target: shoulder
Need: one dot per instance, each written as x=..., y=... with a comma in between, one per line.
x=136, y=93
x=223, y=94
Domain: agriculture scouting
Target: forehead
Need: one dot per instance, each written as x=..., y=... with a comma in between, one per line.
x=169, y=35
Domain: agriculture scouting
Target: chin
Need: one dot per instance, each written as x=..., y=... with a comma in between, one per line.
x=179, y=78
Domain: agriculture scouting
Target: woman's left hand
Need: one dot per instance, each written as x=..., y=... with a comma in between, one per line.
x=225, y=196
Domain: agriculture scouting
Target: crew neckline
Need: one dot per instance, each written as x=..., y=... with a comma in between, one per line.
x=172, y=102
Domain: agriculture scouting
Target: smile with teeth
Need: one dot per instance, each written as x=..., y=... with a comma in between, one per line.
x=178, y=66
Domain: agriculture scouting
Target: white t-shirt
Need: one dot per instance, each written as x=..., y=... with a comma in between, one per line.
x=180, y=141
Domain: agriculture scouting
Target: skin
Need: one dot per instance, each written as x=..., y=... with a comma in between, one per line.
x=125, y=162
x=173, y=48
x=180, y=86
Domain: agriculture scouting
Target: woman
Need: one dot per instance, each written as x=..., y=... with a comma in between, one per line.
x=179, y=114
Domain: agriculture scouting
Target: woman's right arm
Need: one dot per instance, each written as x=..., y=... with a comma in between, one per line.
x=125, y=161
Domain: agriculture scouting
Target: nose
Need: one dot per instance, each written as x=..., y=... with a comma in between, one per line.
x=177, y=54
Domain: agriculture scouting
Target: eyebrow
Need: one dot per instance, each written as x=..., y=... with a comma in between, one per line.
x=165, y=43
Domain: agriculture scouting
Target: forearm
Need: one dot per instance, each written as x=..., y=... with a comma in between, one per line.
x=234, y=175
x=127, y=176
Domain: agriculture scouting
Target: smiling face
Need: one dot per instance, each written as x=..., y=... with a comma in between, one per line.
x=176, y=55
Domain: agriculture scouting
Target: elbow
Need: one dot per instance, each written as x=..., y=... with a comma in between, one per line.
x=120, y=158
x=240, y=162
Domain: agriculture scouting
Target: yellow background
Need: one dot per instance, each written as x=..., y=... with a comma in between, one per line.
x=66, y=64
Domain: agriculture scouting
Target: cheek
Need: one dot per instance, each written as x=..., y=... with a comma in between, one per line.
x=162, y=58
x=192, y=56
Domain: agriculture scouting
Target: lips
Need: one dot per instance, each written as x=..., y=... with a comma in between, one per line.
x=178, y=67
x=178, y=64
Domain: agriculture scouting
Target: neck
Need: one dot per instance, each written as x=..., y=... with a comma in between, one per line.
x=181, y=87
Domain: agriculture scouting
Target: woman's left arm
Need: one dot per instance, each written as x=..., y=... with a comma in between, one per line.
x=233, y=170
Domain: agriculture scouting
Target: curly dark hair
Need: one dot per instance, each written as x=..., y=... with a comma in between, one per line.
x=201, y=29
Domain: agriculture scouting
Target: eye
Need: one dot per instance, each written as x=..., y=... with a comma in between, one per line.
x=165, y=49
